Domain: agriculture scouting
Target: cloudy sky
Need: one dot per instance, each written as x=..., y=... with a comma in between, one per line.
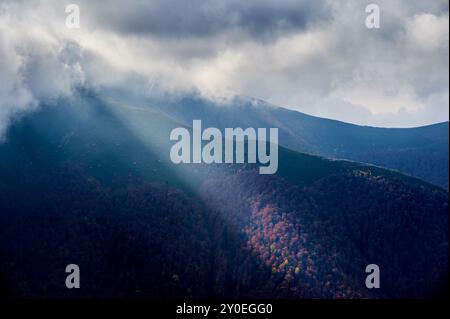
x=317, y=57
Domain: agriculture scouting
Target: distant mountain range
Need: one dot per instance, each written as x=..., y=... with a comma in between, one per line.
x=88, y=180
x=421, y=152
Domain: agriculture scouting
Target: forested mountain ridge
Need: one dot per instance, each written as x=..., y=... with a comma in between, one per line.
x=90, y=182
x=421, y=152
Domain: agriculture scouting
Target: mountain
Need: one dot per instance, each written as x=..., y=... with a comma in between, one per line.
x=88, y=180
x=421, y=152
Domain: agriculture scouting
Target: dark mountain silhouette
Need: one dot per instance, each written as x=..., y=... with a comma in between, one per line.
x=421, y=152
x=89, y=181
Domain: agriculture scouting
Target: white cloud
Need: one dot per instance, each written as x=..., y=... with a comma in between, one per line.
x=34, y=63
x=428, y=31
x=318, y=58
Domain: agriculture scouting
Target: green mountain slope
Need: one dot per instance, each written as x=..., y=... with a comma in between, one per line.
x=421, y=152
x=89, y=179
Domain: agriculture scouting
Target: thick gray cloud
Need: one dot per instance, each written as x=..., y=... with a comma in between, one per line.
x=198, y=18
x=314, y=56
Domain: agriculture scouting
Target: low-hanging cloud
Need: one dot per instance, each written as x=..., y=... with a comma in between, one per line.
x=313, y=56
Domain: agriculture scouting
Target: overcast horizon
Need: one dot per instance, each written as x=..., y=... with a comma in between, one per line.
x=316, y=57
